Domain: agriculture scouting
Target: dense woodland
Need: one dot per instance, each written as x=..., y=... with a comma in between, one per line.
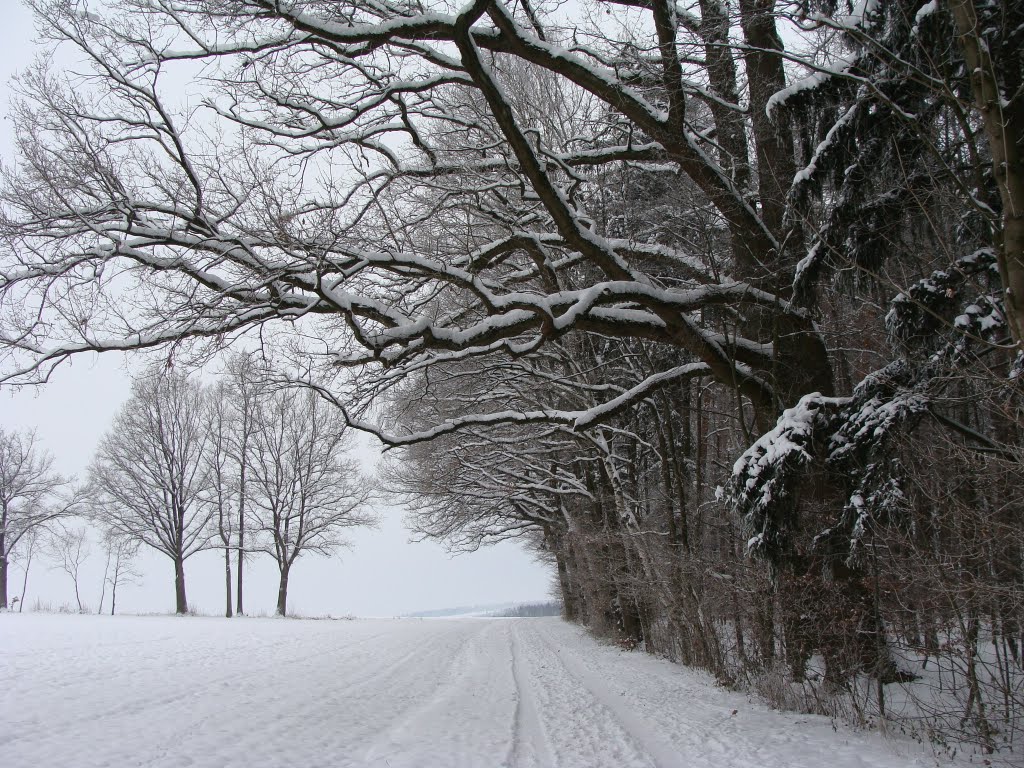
x=717, y=304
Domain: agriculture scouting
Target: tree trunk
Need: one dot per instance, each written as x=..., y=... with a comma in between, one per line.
x=180, y=603
x=1003, y=120
x=103, y=589
x=3, y=560
x=24, y=579
x=3, y=576
x=569, y=610
x=773, y=138
x=241, y=535
x=227, y=581
x=554, y=545
x=729, y=124
x=282, y=593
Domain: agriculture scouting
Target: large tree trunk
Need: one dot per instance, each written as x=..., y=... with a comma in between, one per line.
x=227, y=581
x=773, y=138
x=180, y=603
x=557, y=547
x=729, y=123
x=3, y=576
x=569, y=609
x=282, y=593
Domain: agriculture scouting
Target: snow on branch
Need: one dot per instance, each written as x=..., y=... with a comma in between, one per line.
x=765, y=480
x=848, y=437
x=813, y=81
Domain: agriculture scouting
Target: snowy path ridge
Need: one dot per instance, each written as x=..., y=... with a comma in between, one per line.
x=529, y=741
x=95, y=691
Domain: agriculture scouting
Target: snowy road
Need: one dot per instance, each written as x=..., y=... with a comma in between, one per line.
x=89, y=691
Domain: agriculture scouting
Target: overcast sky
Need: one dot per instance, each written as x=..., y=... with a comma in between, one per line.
x=381, y=575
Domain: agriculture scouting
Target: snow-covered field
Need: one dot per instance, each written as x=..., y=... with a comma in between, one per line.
x=160, y=691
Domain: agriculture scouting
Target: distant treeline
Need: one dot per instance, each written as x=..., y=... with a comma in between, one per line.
x=531, y=610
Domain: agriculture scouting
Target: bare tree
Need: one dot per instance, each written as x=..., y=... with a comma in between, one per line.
x=25, y=554
x=150, y=471
x=305, y=491
x=119, y=570
x=224, y=478
x=69, y=547
x=245, y=378
x=371, y=245
x=30, y=495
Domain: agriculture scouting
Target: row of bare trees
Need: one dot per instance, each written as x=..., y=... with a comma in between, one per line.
x=38, y=507
x=240, y=466
x=716, y=302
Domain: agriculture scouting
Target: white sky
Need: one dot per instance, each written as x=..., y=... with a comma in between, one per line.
x=382, y=574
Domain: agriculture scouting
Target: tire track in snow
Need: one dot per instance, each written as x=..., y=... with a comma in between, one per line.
x=581, y=731
x=691, y=717
x=655, y=750
x=329, y=716
x=406, y=714
x=698, y=725
x=530, y=747
x=465, y=720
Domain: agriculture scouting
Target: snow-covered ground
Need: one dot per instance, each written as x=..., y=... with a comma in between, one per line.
x=160, y=691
